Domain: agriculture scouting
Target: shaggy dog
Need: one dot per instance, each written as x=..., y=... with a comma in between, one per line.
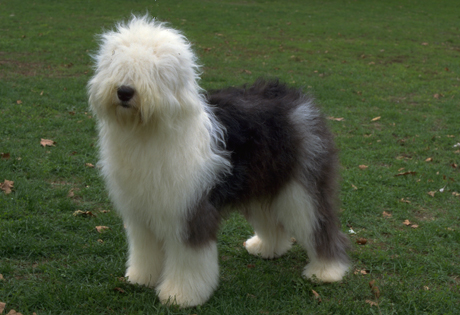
x=175, y=159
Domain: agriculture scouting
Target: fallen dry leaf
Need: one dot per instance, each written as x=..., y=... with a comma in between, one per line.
x=317, y=296
x=89, y=165
x=100, y=241
x=424, y=44
x=405, y=173
x=386, y=214
x=101, y=228
x=19, y=102
x=361, y=241
x=47, y=142
x=376, y=118
x=406, y=222
x=336, y=118
x=246, y=71
x=7, y=186
x=431, y=193
x=251, y=266
x=119, y=290
x=5, y=156
x=1, y=277
x=429, y=160
x=404, y=200
x=372, y=303
x=2, y=307
x=374, y=289
x=414, y=226
x=363, y=272
x=363, y=167
x=79, y=213
x=426, y=288
x=354, y=187
x=456, y=194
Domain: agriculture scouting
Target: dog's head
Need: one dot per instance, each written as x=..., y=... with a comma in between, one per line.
x=144, y=71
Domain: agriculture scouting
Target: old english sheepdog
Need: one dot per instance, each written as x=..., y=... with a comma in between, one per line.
x=175, y=158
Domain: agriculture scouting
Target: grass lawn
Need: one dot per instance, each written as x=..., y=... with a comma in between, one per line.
x=386, y=73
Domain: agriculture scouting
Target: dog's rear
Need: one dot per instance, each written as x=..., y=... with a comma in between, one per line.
x=284, y=174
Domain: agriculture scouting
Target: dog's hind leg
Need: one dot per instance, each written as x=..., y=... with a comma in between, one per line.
x=316, y=230
x=190, y=275
x=146, y=256
x=270, y=239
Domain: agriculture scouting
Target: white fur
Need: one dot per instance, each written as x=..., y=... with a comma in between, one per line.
x=275, y=226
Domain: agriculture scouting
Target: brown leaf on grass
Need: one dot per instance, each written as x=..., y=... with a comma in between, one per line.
x=372, y=303
x=407, y=222
x=374, y=289
x=424, y=44
x=363, y=167
x=414, y=226
x=71, y=194
x=101, y=228
x=84, y=214
x=386, y=214
x=429, y=160
x=2, y=307
x=431, y=193
x=19, y=102
x=454, y=165
x=405, y=173
x=5, y=156
x=361, y=241
x=1, y=277
x=119, y=290
x=404, y=200
x=13, y=312
x=336, y=118
x=362, y=272
x=89, y=165
x=246, y=71
x=354, y=187
x=376, y=118
x=7, y=186
x=316, y=295
x=426, y=288
x=251, y=266
x=456, y=194
x=47, y=142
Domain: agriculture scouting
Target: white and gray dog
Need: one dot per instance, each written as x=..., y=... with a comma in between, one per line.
x=175, y=159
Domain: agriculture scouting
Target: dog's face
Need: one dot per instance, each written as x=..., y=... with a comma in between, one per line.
x=143, y=71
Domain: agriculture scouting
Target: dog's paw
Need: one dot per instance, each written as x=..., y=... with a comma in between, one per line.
x=255, y=246
x=325, y=272
x=135, y=277
x=182, y=295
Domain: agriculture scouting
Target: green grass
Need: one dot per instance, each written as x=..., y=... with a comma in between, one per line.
x=399, y=60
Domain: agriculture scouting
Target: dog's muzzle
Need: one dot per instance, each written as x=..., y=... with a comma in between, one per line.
x=125, y=94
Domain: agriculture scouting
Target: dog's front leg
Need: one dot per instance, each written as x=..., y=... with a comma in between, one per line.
x=146, y=255
x=190, y=273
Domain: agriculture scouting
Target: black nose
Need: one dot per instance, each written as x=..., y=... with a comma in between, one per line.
x=125, y=93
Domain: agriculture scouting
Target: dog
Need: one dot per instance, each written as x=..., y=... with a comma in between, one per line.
x=175, y=159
